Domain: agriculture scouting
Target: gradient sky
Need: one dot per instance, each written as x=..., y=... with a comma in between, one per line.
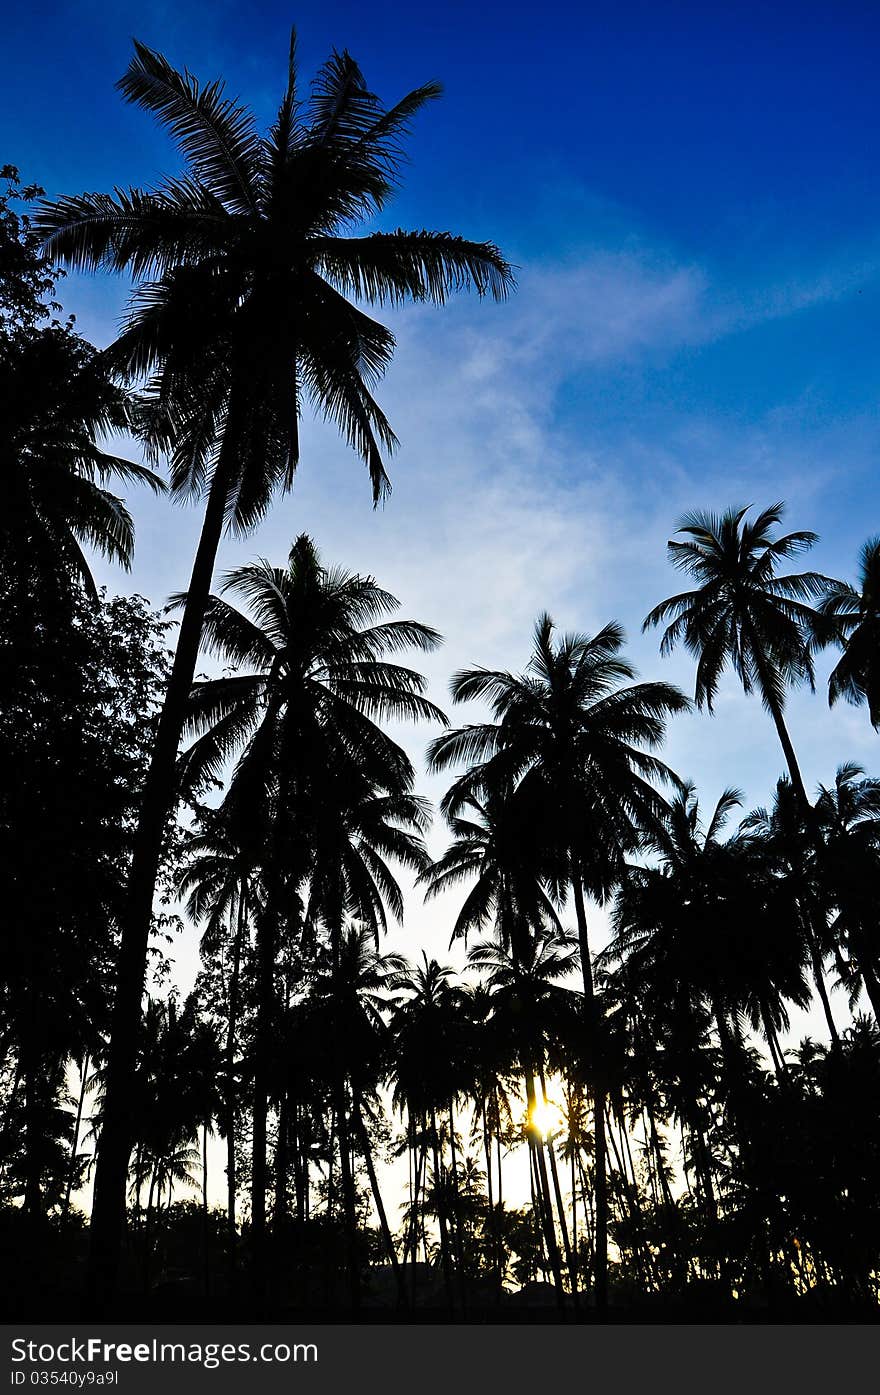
x=690, y=195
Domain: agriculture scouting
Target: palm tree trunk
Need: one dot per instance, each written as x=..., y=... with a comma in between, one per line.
x=493, y=1216
x=33, y=1195
x=348, y=1196
x=367, y=1153
x=262, y=1066
x=456, y=1214
x=75, y=1144
x=791, y=760
x=206, y=1255
x=117, y=1132
x=230, y=1101
x=594, y=1047
x=441, y=1212
x=542, y=1189
x=282, y=1156
x=560, y=1210
x=819, y=979
x=865, y=962
x=148, y=1222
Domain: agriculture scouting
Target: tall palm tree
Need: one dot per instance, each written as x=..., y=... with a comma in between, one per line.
x=245, y=265
x=321, y=776
x=742, y=613
x=570, y=737
x=218, y=886
x=429, y=1068
x=350, y=1002
x=533, y=1007
x=850, y=617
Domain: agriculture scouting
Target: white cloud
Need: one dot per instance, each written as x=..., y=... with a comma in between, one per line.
x=505, y=504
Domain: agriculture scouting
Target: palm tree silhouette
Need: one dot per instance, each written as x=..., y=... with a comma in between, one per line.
x=531, y=1008
x=58, y=400
x=318, y=772
x=790, y=845
x=220, y=889
x=742, y=613
x=850, y=617
x=571, y=739
x=849, y=857
x=242, y=311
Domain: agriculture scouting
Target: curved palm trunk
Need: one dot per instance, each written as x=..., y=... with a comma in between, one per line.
x=594, y=1047
x=800, y=789
x=115, y=1143
x=791, y=760
x=819, y=980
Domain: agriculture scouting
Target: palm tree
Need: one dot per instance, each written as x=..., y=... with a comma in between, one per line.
x=429, y=1068
x=492, y=843
x=532, y=1008
x=218, y=886
x=58, y=399
x=788, y=842
x=245, y=267
x=350, y=1001
x=849, y=864
x=319, y=774
x=742, y=613
x=570, y=739
x=850, y=617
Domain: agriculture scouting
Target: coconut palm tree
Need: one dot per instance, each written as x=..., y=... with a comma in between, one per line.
x=247, y=274
x=788, y=842
x=570, y=736
x=532, y=1007
x=492, y=844
x=58, y=400
x=849, y=867
x=742, y=613
x=850, y=617
x=320, y=776
x=352, y=995
x=220, y=889
x=430, y=1066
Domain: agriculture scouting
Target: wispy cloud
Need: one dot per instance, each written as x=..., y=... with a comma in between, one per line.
x=508, y=501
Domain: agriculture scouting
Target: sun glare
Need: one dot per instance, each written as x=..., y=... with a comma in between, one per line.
x=546, y=1117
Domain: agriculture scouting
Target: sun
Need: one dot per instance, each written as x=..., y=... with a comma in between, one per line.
x=545, y=1117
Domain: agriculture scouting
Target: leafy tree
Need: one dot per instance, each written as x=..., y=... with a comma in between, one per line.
x=76, y=723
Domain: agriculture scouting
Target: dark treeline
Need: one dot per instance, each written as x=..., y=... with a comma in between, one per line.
x=622, y=1126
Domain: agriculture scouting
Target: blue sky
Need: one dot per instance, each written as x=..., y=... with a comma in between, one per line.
x=690, y=194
